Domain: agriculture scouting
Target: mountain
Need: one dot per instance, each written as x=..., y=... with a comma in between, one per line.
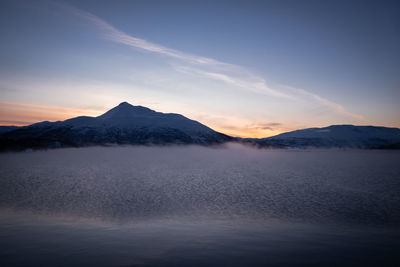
x=124, y=124
x=4, y=129
x=128, y=124
x=342, y=136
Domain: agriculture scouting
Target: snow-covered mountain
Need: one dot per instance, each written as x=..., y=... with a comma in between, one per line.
x=336, y=136
x=124, y=124
x=128, y=124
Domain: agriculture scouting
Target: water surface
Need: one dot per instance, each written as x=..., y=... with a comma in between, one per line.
x=196, y=206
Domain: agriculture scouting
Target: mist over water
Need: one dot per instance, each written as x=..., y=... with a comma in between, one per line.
x=191, y=205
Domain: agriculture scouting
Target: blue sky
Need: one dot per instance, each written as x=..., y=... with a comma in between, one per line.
x=247, y=68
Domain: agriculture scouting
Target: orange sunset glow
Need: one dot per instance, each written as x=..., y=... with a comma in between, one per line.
x=20, y=114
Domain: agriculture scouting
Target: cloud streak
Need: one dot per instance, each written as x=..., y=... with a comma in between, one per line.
x=205, y=67
x=257, y=85
x=222, y=71
x=339, y=109
x=113, y=34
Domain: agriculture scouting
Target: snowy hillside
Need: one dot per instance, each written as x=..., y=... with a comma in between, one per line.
x=128, y=124
x=124, y=124
x=336, y=136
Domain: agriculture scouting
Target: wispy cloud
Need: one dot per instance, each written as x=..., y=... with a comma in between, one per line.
x=255, y=84
x=339, y=109
x=230, y=74
x=267, y=126
x=113, y=34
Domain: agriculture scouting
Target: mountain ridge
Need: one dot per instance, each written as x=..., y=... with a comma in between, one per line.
x=138, y=125
x=123, y=124
x=341, y=136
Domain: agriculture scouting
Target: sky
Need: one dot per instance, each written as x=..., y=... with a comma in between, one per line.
x=244, y=68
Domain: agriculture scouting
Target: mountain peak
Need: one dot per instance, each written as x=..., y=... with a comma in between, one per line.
x=122, y=104
x=125, y=109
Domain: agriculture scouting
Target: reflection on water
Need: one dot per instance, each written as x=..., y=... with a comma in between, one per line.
x=195, y=206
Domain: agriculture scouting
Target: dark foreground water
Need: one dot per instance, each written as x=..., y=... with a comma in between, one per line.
x=195, y=206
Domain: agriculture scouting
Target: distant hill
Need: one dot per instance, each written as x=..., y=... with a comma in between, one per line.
x=342, y=136
x=124, y=124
